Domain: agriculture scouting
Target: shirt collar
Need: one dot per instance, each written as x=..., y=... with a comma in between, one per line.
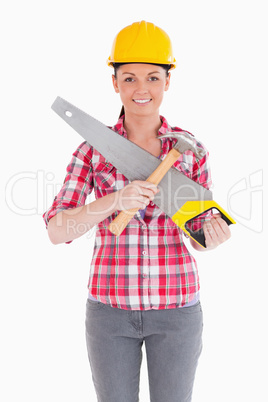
x=165, y=127
x=119, y=127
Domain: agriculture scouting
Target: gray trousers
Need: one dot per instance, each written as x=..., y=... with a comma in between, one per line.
x=173, y=342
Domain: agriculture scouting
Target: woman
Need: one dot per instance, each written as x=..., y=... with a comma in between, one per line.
x=143, y=285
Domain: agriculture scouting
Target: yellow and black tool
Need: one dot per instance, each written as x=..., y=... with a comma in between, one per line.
x=181, y=198
x=191, y=211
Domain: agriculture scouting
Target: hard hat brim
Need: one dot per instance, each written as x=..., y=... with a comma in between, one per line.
x=111, y=63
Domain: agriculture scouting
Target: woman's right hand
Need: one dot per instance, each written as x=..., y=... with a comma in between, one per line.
x=72, y=223
x=136, y=194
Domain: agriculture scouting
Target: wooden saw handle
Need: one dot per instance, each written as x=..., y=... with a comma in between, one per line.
x=121, y=221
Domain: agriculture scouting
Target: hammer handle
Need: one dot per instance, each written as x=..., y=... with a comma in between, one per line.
x=121, y=221
x=164, y=167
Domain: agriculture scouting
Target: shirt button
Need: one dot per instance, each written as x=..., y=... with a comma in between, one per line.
x=144, y=227
x=144, y=253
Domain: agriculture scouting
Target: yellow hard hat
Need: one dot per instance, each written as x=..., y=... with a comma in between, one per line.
x=142, y=42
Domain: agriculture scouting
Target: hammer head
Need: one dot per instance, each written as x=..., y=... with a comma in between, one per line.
x=184, y=143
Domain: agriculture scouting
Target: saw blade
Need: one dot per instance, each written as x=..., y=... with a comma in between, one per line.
x=131, y=160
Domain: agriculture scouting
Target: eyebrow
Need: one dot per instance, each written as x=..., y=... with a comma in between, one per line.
x=153, y=72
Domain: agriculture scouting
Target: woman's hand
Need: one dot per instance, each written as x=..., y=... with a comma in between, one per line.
x=136, y=194
x=216, y=232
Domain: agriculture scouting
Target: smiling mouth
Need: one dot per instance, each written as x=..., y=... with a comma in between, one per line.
x=141, y=101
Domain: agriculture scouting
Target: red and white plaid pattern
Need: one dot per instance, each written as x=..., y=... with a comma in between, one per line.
x=148, y=266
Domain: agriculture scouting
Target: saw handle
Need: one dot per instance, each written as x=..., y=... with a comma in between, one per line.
x=121, y=221
x=199, y=235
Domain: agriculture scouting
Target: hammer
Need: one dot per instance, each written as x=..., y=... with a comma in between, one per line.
x=184, y=143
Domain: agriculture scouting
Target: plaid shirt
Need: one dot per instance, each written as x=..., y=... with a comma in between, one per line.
x=148, y=266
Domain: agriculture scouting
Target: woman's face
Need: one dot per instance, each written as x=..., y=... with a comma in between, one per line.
x=141, y=87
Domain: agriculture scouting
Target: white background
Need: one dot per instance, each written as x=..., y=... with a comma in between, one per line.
x=219, y=93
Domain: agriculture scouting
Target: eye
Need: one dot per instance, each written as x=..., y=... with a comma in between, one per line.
x=153, y=79
x=129, y=79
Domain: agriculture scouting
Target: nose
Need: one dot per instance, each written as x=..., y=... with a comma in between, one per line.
x=141, y=89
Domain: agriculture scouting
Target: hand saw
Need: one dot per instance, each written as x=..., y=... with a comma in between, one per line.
x=181, y=198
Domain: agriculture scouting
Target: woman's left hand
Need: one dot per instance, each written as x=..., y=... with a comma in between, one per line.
x=216, y=232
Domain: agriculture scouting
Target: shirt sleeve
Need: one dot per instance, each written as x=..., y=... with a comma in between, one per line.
x=78, y=183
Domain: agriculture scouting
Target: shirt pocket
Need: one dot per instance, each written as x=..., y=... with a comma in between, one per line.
x=184, y=167
x=105, y=177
